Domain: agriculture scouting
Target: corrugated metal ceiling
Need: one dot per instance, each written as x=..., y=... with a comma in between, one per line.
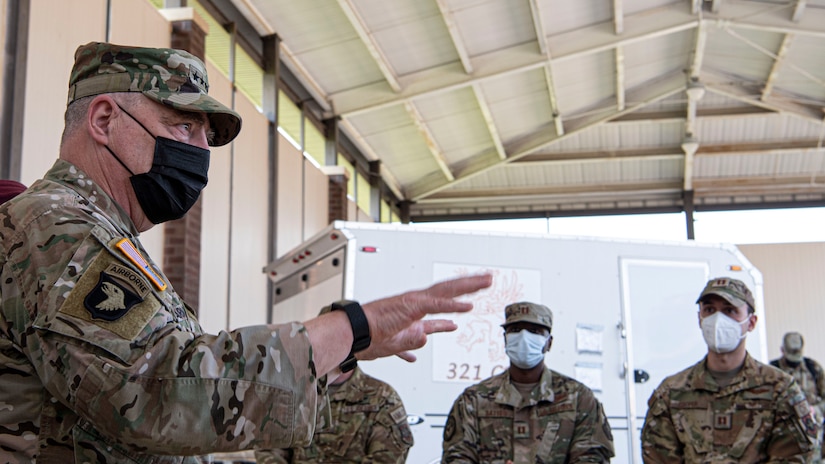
x=542, y=107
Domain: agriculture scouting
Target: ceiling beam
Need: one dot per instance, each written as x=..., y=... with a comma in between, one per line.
x=798, y=10
x=758, y=185
x=740, y=148
x=389, y=179
x=517, y=59
x=538, y=25
x=429, y=139
x=777, y=64
x=674, y=115
x=723, y=85
x=558, y=122
x=369, y=41
x=618, y=17
x=756, y=15
x=534, y=191
x=488, y=119
x=755, y=46
x=645, y=95
x=458, y=43
x=620, y=92
x=704, y=188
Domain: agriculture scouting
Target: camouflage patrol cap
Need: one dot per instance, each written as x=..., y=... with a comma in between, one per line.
x=733, y=291
x=528, y=312
x=171, y=77
x=792, y=346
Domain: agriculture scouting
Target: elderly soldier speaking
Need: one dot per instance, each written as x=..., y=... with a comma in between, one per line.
x=729, y=407
x=101, y=361
x=529, y=413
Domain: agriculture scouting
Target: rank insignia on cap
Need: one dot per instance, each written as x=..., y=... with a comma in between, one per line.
x=125, y=246
x=109, y=299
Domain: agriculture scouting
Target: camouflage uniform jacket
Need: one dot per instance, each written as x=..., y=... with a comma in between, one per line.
x=762, y=416
x=101, y=363
x=368, y=424
x=812, y=385
x=567, y=423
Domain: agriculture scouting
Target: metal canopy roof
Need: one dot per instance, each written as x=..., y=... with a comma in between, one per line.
x=519, y=108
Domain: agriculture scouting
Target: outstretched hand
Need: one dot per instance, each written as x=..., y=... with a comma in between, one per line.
x=396, y=324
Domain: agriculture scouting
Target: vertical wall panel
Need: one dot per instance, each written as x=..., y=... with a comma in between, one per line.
x=3, y=7
x=213, y=311
x=51, y=35
x=794, y=294
x=316, y=201
x=290, y=192
x=250, y=212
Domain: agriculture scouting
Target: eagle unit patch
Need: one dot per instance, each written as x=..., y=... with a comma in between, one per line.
x=114, y=296
x=117, y=290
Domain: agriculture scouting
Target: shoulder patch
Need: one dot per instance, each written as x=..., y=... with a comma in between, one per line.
x=109, y=299
x=398, y=415
x=128, y=249
x=113, y=297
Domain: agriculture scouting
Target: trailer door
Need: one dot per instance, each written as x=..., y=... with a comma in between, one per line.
x=661, y=329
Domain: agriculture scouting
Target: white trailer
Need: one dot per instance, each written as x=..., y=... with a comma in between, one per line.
x=624, y=312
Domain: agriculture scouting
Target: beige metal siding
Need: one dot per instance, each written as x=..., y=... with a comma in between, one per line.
x=794, y=294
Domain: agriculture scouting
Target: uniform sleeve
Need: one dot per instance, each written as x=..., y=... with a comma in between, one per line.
x=592, y=438
x=820, y=389
x=390, y=437
x=460, y=443
x=273, y=456
x=794, y=429
x=660, y=444
x=146, y=376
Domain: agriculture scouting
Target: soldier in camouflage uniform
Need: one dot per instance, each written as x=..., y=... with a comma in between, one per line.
x=529, y=413
x=808, y=374
x=101, y=361
x=729, y=407
x=364, y=421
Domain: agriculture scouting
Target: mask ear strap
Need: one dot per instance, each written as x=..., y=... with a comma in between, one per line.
x=136, y=120
x=119, y=160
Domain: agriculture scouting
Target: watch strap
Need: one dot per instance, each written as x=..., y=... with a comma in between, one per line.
x=360, y=330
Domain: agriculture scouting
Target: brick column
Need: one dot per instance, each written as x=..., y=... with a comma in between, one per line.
x=182, y=238
x=337, y=197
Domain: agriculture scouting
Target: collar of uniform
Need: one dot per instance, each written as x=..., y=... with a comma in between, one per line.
x=72, y=177
x=354, y=390
x=509, y=395
x=747, y=377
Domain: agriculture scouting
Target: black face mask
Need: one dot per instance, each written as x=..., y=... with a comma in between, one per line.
x=174, y=183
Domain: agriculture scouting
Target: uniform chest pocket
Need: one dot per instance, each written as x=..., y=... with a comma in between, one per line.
x=495, y=429
x=558, y=423
x=739, y=428
x=692, y=421
x=346, y=433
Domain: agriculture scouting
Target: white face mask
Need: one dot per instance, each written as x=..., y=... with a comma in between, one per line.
x=722, y=334
x=525, y=349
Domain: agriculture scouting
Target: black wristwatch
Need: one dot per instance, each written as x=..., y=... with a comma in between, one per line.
x=360, y=331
